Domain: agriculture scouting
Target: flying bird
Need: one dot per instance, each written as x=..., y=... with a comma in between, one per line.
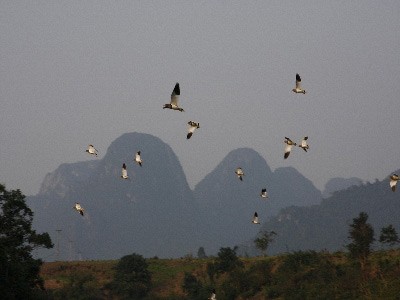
x=79, y=208
x=91, y=150
x=393, y=181
x=303, y=145
x=264, y=193
x=289, y=144
x=138, y=159
x=124, y=174
x=255, y=219
x=213, y=295
x=174, y=99
x=239, y=173
x=298, y=89
x=192, y=127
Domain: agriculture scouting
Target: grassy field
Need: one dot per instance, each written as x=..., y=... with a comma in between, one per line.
x=167, y=274
x=300, y=275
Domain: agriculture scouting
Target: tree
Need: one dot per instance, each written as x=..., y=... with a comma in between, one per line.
x=201, y=253
x=19, y=271
x=389, y=236
x=192, y=286
x=227, y=260
x=132, y=278
x=264, y=240
x=362, y=236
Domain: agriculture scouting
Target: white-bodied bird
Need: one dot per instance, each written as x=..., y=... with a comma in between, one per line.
x=79, y=208
x=138, y=159
x=124, y=173
x=303, y=144
x=255, y=219
x=174, y=99
x=289, y=145
x=192, y=127
x=239, y=172
x=213, y=295
x=393, y=181
x=298, y=89
x=91, y=150
x=264, y=193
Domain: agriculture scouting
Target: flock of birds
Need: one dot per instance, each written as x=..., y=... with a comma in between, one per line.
x=174, y=105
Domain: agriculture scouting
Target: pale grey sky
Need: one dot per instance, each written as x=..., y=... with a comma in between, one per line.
x=80, y=72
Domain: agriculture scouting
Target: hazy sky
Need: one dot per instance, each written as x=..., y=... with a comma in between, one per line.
x=80, y=72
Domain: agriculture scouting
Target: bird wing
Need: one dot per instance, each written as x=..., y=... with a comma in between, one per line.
x=288, y=148
x=288, y=141
x=255, y=218
x=393, y=184
x=298, y=81
x=124, y=171
x=175, y=95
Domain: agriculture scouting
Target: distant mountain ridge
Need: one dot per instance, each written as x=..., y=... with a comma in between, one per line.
x=228, y=204
x=65, y=176
x=339, y=184
x=155, y=213
x=326, y=226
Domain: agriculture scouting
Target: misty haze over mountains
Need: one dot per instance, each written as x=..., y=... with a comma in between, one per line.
x=159, y=215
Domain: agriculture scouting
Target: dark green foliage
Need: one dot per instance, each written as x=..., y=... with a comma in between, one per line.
x=264, y=240
x=194, y=288
x=389, y=236
x=132, y=279
x=211, y=270
x=226, y=261
x=19, y=271
x=191, y=285
x=361, y=234
x=309, y=275
x=245, y=282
